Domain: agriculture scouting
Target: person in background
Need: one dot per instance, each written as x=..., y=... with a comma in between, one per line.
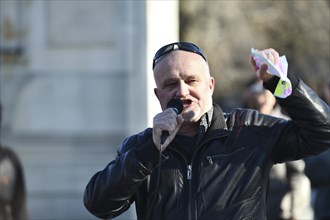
x=289, y=192
x=201, y=163
x=12, y=184
x=317, y=169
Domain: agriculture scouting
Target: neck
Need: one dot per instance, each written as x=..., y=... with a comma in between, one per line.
x=189, y=129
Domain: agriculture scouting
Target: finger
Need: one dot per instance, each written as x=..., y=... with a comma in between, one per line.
x=275, y=56
x=271, y=54
x=263, y=74
x=171, y=136
x=179, y=119
x=254, y=64
x=173, y=132
x=263, y=69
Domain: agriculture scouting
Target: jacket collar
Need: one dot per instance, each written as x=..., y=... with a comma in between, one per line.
x=218, y=119
x=204, y=125
x=212, y=120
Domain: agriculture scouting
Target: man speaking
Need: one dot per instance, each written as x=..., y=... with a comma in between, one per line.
x=210, y=164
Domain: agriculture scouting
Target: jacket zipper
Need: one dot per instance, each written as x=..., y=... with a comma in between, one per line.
x=189, y=182
x=209, y=158
x=189, y=174
x=191, y=215
x=189, y=177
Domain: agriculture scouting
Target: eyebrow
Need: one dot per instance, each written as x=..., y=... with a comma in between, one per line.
x=169, y=81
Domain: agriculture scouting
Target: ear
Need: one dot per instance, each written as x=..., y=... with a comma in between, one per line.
x=211, y=83
x=156, y=93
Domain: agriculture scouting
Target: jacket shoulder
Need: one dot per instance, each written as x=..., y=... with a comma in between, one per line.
x=245, y=117
x=134, y=141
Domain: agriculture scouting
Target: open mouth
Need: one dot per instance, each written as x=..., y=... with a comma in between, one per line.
x=186, y=103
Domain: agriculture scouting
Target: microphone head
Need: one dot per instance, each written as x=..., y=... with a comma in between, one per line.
x=176, y=105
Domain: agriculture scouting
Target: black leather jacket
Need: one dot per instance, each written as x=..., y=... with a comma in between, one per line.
x=227, y=177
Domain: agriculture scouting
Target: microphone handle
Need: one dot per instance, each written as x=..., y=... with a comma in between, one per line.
x=177, y=107
x=163, y=137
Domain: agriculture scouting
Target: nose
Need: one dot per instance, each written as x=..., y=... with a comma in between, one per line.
x=182, y=90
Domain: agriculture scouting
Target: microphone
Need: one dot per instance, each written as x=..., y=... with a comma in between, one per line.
x=177, y=106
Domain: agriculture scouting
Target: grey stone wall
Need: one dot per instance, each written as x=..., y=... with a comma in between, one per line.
x=69, y=94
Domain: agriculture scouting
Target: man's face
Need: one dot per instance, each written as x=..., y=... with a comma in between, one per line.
x=186, y=76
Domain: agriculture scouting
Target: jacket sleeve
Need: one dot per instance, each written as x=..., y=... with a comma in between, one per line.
x=111, y=191
x=309, y=131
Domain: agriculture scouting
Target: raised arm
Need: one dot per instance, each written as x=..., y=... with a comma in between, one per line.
x=309, y=131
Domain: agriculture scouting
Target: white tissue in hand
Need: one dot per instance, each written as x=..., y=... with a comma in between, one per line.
x=284, y=87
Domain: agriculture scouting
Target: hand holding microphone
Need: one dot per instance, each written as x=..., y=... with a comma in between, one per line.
x=167, y=123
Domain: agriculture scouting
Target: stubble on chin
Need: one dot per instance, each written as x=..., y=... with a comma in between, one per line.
x=188, y=116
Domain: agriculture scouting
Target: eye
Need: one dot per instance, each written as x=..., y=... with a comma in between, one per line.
x=170, y=84
x=192, y=81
